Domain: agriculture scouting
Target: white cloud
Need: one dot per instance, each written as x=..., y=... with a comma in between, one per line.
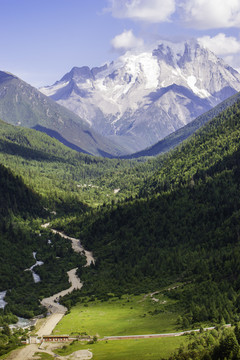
x=210, y=14
x=126, y=41
x=227, y=47
x=151, y=11
x=233, y=61
x=221, y=44
x=198, y=14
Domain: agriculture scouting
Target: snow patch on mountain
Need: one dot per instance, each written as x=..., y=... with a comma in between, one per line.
x=52, y=89
x=191, y=80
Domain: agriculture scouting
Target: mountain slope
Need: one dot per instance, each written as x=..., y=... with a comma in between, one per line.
x=142, y=97
x=176, y=138
x=217, y=140
x=21, y=104
x=183, y=227
x=16, y=198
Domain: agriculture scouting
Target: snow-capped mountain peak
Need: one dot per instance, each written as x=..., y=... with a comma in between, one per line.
x=143, y=96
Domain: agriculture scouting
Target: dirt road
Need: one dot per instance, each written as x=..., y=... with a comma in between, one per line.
x=148, y=336
x=23, y=354
x=76, y=244
x=77, y=247
x=28, y=353
x=51, y=303
x=57, y=310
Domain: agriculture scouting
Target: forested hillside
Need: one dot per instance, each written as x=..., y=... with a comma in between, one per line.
x=68, y=180
x=210, y=146
x=20, y=237
x=217, y=344
x=16, y=198
x=183, y=226
x=20, y=212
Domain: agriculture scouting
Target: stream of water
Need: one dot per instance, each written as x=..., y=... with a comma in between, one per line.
x=22, y=323
x=36, y=277
x=2, y=302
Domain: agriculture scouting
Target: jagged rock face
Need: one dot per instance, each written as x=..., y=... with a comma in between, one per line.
x=142, y=97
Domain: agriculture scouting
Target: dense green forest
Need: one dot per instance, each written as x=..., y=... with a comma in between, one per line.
x=150, y=223
x=9, y=339
x=184, y=225
x=20, y=208
x=16, y=200
x=216, y=344
x=16, y=197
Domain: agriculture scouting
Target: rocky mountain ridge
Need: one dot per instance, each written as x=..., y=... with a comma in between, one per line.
x=23, y=105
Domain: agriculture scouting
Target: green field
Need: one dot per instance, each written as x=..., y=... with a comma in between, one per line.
x=130, y=315
x=43, y=356
x=141, y=349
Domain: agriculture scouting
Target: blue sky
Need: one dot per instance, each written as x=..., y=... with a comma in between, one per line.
x=41, y=40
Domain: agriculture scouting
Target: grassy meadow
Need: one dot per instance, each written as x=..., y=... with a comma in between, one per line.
x=134, y=349
x=130, y=315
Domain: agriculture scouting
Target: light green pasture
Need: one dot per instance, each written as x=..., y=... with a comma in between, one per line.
x=130, y=315
x=141, y=349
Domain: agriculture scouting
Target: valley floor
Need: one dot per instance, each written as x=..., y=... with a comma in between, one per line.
x=139, y=346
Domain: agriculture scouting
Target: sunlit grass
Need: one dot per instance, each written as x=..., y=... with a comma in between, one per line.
x=130, y=315
x=140, y=349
